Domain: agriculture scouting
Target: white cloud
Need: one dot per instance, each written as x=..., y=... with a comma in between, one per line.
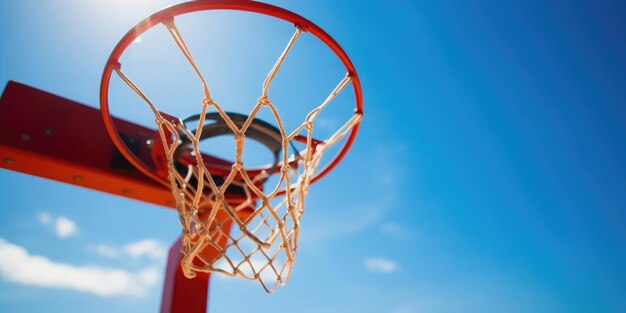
x=44, y=218
x=347, y=221
x=380, y=265
x=148, y=247
x=105, y=250
x=372, y=208
x=62, y=226
x=17, y=265
x=65, y=227
x=395, y=230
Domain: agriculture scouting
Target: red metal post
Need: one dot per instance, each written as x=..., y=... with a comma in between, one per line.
x=185, y=295
x=181, y=294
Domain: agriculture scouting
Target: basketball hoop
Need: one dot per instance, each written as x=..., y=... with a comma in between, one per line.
x=212, y=195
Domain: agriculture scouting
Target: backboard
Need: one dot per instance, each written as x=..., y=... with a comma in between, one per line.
x=40, y=137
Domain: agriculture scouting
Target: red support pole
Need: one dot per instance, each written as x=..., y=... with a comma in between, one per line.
x=190, y=295
x=181, y=294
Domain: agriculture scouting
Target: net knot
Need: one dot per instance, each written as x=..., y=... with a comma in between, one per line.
x=208, y=101
x=285, y=169
x=308, y=126
x=238, y=166
x=264, y=100
x=239, y=136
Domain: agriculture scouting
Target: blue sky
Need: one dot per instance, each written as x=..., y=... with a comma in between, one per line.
x=488, y=175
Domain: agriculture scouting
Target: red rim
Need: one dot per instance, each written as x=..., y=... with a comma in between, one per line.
x=205, y=5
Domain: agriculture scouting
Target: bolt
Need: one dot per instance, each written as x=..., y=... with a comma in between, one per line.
x=77, y=178
x=47, y=132
x=25, y=137
x=9, y=161
x=126, y=191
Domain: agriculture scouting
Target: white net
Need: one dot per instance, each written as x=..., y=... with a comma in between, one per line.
x=265, y=224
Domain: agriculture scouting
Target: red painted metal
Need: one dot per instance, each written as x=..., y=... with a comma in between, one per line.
x=184, y=295
x=181, y=294
x=45, y=135
x=203, y=5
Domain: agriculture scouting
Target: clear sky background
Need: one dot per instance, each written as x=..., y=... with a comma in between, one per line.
x=488, y=176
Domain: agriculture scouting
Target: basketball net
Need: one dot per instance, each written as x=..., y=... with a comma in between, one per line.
x=265, y=225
